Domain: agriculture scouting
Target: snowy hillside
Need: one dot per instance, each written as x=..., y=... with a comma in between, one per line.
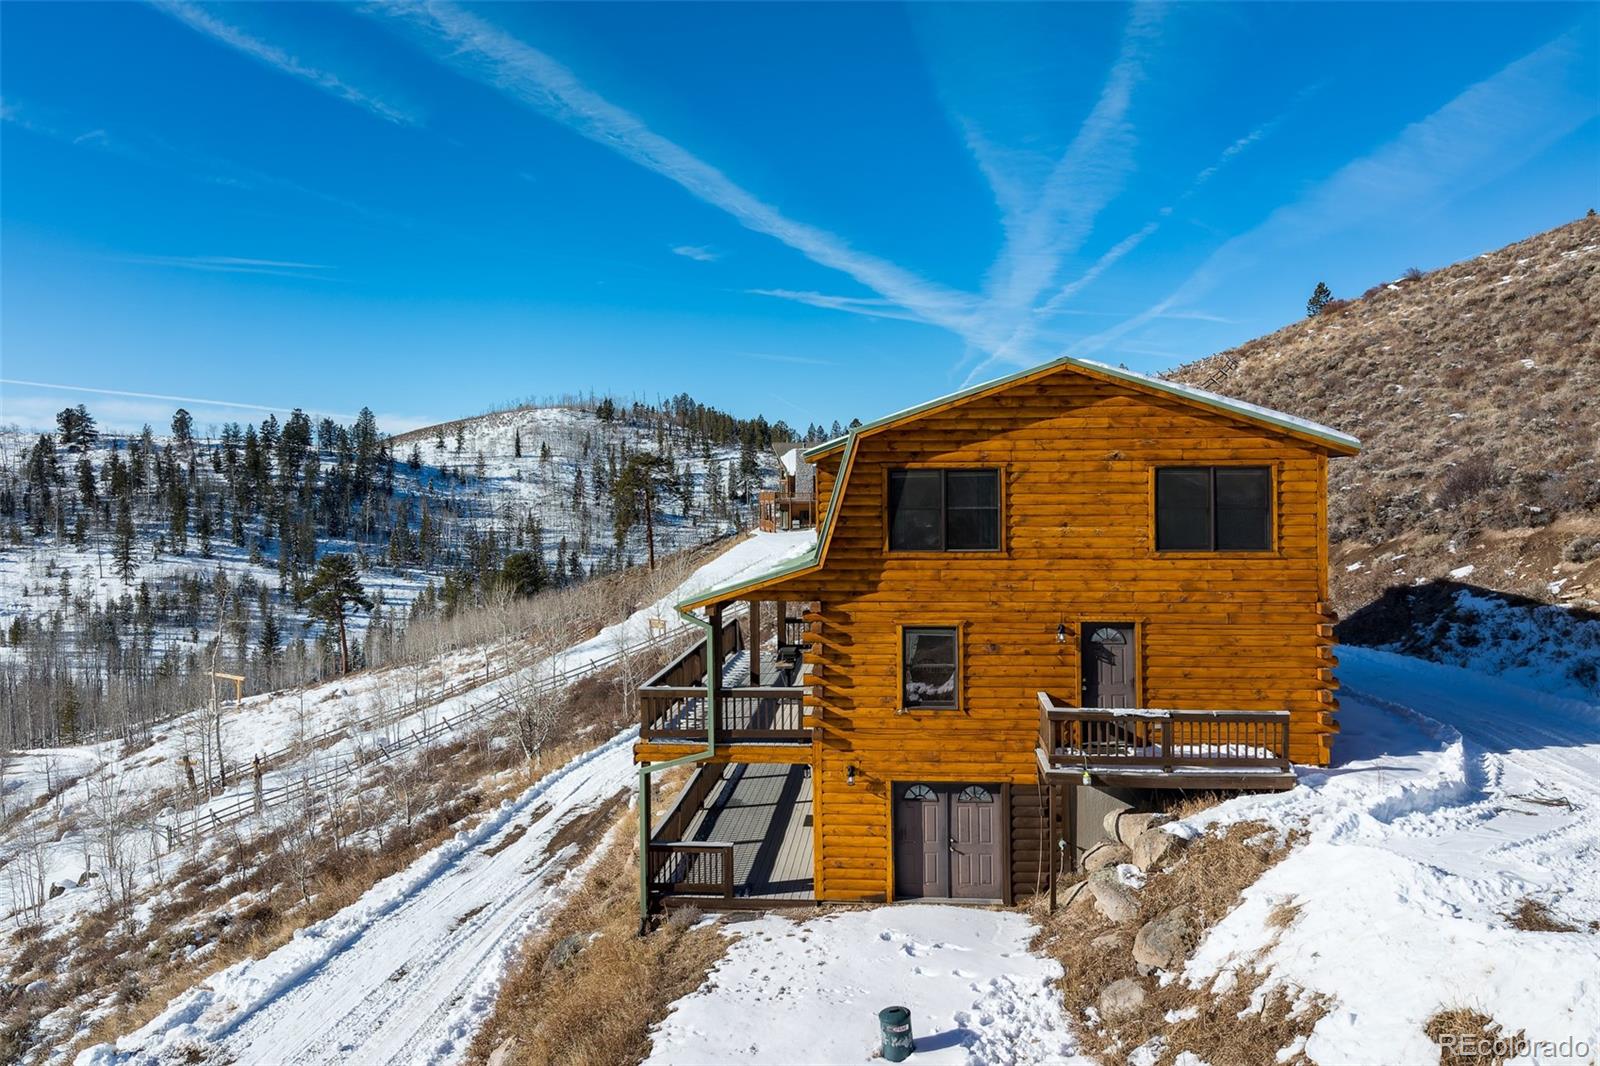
x=124, y=557
x=108, y=837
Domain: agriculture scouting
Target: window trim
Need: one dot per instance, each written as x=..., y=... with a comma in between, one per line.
x=999, y=471
x=1274, y=469
x=960, y=704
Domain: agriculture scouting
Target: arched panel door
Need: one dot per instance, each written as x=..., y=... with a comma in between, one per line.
x=1109, y=665
x=921, y=842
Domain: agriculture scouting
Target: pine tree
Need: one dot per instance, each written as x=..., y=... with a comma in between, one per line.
x=122, y=552
x=183, y=427
x=1320, y=297
x=335, y=588
x=516, y=442
x=270, y=640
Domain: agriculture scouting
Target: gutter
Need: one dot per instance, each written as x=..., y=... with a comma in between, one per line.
x=646, y=769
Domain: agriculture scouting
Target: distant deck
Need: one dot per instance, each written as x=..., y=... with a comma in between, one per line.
x=747, y=844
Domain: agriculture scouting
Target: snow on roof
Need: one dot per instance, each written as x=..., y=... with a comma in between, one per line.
x=1227, y=404
x=790, y=458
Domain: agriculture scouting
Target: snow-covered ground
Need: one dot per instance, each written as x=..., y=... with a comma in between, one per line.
x=810, y=991
x=1456, y=796
x=110, y=774
x=408, y=971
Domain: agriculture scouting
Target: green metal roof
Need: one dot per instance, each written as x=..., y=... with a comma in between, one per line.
x=1216, y=401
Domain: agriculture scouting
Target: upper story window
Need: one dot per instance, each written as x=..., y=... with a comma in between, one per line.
x=944, y=510
x=1213, y=508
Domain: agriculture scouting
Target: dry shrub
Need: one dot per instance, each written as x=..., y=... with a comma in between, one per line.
x=1467, y=1035
x=1215, y=869
x=1231, y=1022
x=598, y=1008
x=1183, y=805
x=1532, y=916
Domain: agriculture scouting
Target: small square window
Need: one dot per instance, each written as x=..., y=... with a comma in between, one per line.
x=930, y=667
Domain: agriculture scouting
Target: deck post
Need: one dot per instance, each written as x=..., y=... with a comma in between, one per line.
x=1072, y=828
x=644, y=847
x=1050, y=835
x=755, y=643
x=714, y=651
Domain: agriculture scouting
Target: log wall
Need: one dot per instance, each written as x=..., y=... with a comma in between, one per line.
x=1234, y=631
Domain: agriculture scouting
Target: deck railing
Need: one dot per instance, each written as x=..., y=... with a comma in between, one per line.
x=672, y=704
x=1103, y=740
x=697, y=869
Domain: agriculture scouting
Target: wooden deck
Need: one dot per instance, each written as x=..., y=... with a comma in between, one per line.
x=764, y=811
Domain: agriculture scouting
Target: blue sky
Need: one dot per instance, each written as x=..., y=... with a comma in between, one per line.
x=811, y=211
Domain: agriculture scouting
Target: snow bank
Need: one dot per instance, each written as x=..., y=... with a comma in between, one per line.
x=811, y=991
x=1428, y=832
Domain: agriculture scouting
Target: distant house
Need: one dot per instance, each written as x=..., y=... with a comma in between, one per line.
x=793, y=505
x=1029, y=602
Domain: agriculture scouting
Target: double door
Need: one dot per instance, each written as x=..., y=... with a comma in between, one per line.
x=947, y=841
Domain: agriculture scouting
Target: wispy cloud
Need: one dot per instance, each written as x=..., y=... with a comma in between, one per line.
x=231, y=264
x=869, y=306
x=203, y=21
x=698, y=252
x=537, y=81
x=1042, y=228
x=127, y=409
x=1054, y=305
x=1490, y=128
x=190, y=164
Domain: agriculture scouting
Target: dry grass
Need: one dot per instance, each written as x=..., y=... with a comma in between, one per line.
x=1532, y=916
x=240, y=904
x=1467, y=1035
x=597, y=1010
x=1223, y=1024
x=1475, y=390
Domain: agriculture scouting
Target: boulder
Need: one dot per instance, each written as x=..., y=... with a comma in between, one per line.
x=1164, y=943
x=1109, y=943
x=1155, y=847
x=1114, y=898
x=1121, y=998
x=566, y=949
x=1077, y=896
x=1125, y=825
x=1104, y=855
x=503, y=1052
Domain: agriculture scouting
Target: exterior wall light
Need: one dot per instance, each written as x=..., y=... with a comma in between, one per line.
x=1061, y=632
x=850, y=775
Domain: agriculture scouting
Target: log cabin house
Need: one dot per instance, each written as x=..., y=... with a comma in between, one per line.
x=792, y=504
x=1028, y=603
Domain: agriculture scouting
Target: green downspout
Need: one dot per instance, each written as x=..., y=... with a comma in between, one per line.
x=646, y=769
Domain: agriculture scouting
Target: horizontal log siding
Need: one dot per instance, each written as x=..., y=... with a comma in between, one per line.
x=1224, y=631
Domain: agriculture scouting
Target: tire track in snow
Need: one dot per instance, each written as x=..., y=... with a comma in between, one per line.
x=447, y=926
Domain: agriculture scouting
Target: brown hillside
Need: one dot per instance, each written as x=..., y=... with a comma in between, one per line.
x=1475, y=390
